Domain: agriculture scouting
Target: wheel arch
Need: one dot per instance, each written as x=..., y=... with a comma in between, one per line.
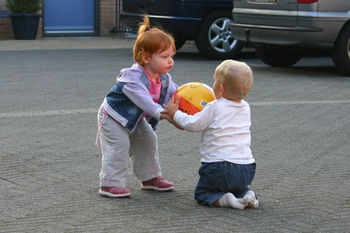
x=346, y=24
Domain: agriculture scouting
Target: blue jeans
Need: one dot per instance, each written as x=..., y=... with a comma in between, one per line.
x=219, y=178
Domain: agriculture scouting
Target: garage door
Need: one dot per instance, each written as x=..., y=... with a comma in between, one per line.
x=69, y=17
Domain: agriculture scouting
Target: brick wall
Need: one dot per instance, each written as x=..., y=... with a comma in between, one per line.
x=107, y=19
x=108, y=11
x=5, y=29
x=5, y=23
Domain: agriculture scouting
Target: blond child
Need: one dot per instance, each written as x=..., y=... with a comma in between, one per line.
x=130, y=113
x=227, y=165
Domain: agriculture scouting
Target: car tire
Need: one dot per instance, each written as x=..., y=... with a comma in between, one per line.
x=215, y=40
x=179, y=42
x=277, y=56
x=341, y=52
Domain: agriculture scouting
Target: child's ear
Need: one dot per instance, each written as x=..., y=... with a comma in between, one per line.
x=145, y=58
x=222, y=90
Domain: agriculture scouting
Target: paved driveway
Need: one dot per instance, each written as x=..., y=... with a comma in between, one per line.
x=49, y=96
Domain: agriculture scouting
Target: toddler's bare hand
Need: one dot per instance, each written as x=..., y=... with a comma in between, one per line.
x=173, y=106
x=165, y=115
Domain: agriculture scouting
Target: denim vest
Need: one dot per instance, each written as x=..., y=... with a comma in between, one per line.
x=127, y=109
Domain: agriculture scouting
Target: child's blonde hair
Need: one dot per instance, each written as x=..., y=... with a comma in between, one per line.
x=151, y=40
x=236, y=77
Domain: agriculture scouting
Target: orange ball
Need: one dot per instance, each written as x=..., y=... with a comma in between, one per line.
x=193, y=97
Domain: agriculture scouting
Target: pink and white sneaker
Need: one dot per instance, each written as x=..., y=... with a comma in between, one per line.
x=158, y=184
x=114, y=192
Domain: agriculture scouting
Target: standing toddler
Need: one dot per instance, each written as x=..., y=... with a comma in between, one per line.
x=130, y=113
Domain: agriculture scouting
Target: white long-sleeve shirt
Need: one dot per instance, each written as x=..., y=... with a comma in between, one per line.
x=226, y=131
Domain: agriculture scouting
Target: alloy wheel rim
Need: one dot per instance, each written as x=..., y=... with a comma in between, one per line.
x=220, y=36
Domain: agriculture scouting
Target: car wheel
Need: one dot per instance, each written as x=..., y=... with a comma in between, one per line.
x=341, y=52
x=277, y=56
x=179, y=42
x=215, y=39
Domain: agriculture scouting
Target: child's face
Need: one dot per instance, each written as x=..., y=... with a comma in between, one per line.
x=160, y=63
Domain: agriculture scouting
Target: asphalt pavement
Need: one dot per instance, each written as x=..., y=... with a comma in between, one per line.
x=51, y=89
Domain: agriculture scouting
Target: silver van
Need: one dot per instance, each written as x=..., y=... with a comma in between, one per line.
x=282, y=29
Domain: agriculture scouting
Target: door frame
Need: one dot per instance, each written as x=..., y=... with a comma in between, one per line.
x=74, y=34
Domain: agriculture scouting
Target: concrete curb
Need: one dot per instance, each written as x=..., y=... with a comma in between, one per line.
x=47, y=43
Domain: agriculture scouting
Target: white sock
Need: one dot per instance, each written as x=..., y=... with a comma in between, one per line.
x=229, y=200
x=242, y=201
x=250, y=199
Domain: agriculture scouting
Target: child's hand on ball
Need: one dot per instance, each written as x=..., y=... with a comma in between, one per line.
x=173, y=106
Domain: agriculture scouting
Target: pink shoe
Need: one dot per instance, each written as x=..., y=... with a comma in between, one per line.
x=114, y=192
x=158, y=184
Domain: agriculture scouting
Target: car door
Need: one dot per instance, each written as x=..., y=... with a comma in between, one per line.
x=132, y=11
x=279, y=13
x=151, y=7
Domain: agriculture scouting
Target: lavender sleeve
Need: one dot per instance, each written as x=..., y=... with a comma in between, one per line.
x=171, y=90
x=140, y=96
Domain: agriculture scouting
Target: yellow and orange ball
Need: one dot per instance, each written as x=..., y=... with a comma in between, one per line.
x=193, y=97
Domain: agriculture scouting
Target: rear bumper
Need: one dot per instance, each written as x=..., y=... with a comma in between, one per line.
x=264, y=27
x=294, y=36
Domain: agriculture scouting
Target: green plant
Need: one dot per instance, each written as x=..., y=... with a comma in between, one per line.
x=24, y=6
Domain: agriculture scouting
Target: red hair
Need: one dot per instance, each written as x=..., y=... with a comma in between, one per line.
x=151, y=40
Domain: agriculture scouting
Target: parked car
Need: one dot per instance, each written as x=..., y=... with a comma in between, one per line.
x=207, y=22
x=282, y=29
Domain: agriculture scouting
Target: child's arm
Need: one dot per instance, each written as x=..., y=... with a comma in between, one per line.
x=140, y=96
x=164, y=115
x=195, y=123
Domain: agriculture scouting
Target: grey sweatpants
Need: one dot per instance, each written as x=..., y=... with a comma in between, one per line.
x=118, y=144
